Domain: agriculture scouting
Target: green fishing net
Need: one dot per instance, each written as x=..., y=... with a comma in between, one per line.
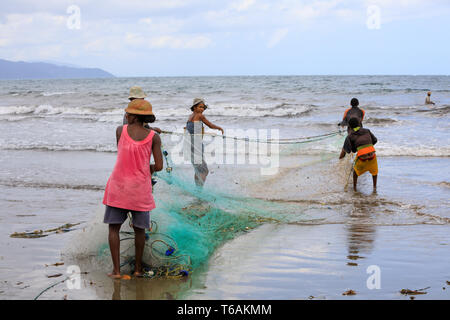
x=191, y=222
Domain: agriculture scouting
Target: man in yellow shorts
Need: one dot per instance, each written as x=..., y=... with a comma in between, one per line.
x=361, y=141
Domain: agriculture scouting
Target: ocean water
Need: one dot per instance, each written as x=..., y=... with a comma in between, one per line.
x=57, y=149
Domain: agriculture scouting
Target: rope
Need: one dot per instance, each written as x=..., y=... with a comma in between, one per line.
x=351, y=170
x=299, y=140
x=172, y=269
x=53, y=285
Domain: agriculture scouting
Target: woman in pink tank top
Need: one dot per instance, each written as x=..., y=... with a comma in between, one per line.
x=129, y=188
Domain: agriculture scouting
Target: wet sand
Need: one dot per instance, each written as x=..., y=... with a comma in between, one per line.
x=323, y=262
x=403, y=229
x=272, y=262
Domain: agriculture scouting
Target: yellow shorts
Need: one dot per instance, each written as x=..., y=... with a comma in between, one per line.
x=368, y=165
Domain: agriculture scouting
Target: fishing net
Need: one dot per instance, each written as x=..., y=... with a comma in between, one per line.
x=191, y=222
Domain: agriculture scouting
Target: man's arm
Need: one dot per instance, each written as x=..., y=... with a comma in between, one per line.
x=346, y=148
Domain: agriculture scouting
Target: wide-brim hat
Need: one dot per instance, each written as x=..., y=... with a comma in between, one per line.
x=136, y=93
x=139, y=106
x=198, y=101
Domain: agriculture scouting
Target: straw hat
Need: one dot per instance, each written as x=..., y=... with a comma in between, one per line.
x=136, y=93
x=139, y=106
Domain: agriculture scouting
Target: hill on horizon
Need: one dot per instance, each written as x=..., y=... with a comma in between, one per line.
x=42, y=70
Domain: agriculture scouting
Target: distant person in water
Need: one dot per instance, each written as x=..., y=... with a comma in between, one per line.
x=428, y=98
x=194, y=126
x=129, y=188
x=353, y=112
x=361, y=141
x=136, y=92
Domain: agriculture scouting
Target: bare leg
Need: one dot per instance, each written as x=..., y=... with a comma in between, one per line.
x=203, y=177
x=198, y=181
x=355, y=180
x=139, y=243
x=200, y=178
x=114, y=246
x=374, y=178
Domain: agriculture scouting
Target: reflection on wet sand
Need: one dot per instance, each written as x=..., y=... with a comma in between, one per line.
x=146, y=289
x=97, y=285
x=361, y=232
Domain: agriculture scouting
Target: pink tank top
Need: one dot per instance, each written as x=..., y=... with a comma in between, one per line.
x=130, y=186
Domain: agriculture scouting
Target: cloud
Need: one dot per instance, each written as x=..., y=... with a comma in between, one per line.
x=277, y=36
x=4, y=42
x=32, y=33
x=243, y=5
x=118, y=30
x=147, y=21
x=168, y=41
x=180, y=42
x=412, y=10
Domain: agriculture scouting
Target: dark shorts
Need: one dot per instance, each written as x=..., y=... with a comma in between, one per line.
x=140, y=219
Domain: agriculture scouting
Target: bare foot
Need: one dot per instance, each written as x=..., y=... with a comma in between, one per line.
x=138, y=274
x=114, y=275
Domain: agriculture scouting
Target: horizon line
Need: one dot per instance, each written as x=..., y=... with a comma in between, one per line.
x=237, y=75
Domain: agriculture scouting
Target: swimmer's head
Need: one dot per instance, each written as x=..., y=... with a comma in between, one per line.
x=354, y=102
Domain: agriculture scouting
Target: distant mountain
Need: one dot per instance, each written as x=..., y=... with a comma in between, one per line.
x=57, y=63
x=43, y=70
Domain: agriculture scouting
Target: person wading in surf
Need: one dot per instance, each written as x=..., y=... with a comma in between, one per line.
x=129, y=188
x=194, y=126
x=361, y=141
x=136, y=92
x=428, y=98
x=353, y=112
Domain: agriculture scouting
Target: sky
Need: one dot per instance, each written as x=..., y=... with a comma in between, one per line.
x=235, y=37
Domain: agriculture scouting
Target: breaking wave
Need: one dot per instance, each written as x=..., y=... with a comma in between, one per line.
x=116, y=114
